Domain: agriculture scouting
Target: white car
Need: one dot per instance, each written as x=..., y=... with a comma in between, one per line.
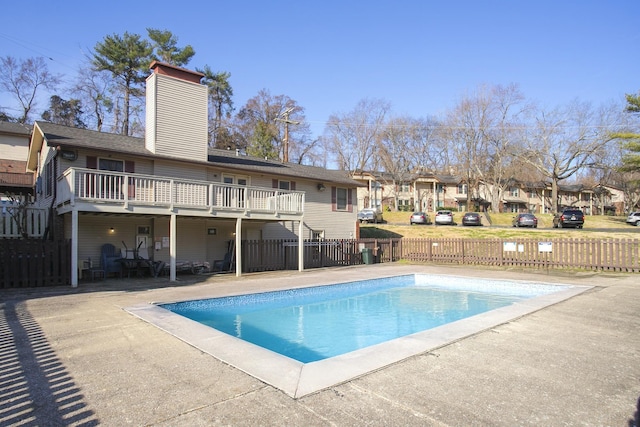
x=634, y=218
x=444, y=217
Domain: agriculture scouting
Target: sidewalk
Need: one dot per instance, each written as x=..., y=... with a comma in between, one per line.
x=76, y=357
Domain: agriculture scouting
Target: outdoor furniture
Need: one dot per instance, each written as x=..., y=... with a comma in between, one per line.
x=88, y=270
x=110, y=260
x=193, y=267
x=222, y=264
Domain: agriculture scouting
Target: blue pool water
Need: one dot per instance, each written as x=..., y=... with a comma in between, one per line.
x=316, y=323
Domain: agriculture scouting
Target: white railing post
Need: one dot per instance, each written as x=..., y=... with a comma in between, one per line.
x=171, y=194
x=125, y=190
x=211, y=199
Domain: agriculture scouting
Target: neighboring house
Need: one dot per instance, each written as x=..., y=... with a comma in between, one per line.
x=14, y=147
x=18, y=217
x=422, y=191
x=535, y=197
x=171, y=193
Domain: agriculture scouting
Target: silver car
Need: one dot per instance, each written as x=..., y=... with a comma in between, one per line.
x=633, y=218
x=370, y=215
x=444, y=218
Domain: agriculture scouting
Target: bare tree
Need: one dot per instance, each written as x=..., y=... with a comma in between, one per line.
x=565, y=141
x=466, y=128
x=427, y=148
x=258, y=131
x=23, y=78
x=508, y=111
x=94, y=89
x=353, y=137
x=394, y=156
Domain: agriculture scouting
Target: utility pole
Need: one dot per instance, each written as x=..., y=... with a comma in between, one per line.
x=284, y=118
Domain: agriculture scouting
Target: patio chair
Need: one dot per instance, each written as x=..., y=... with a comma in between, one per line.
x=110, y=260
x=223, y=264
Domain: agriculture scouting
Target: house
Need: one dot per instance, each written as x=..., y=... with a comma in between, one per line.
x=14, y=142
x=18, y=217
x=171, y=194
x=426, y=191
x=418, y=191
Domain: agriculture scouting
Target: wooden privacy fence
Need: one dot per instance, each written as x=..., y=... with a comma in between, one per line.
x=271, y=255
x=586, y=254
x=589, y=254
x=34, y=262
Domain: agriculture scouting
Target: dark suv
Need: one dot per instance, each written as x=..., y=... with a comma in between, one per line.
x=569, y=218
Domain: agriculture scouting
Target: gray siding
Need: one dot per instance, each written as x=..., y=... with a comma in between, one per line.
x=177, y=170
x=180, y=120
x=318, y=216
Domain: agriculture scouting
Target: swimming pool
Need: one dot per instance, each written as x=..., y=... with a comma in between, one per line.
x=316, y=323
x=298, y=379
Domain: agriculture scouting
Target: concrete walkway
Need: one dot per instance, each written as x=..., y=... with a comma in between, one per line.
x=76, y=357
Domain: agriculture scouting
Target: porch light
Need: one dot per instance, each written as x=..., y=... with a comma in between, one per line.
x=321, y=187
x=112, y=230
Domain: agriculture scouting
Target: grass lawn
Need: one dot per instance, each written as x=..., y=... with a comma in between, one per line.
x=595, y=227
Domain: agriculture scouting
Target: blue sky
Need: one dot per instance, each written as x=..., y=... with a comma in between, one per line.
x=421, y=56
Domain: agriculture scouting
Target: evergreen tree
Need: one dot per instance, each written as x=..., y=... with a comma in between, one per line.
x=63, y=112
x=221, y=105
x=631, y=141
x=165, y=49
x=127, y=58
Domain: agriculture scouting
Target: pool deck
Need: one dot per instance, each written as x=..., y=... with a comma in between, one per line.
x=78, y=357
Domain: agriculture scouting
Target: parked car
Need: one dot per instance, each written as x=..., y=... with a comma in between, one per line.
x=525, y=220
x=569, y=218
x=471, y=218
x=370, y=215
x=419, y=218
x=444, y=217
x=634, y=218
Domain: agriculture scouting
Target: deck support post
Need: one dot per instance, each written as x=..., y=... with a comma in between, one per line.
x=74, y=247
x=301, y=245
x=172, y=247
x=238, y=246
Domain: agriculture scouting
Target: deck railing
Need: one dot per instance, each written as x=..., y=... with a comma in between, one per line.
x=124, y=188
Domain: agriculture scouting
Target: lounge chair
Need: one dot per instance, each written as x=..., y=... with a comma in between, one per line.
x=223, y=264
x=110, y=260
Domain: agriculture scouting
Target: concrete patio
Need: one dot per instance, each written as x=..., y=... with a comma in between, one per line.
x=76, y=357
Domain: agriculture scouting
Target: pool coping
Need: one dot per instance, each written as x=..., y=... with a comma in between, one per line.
x=297, y=379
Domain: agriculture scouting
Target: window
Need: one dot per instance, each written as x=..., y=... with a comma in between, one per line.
x=405, y=188
x=462, y=188
x=111, y=165
x=440, y=188
x=514, y=191
x=234, y=197
x=341, y=199
x=284, y=185
x=234, y=179
x=49, y=177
